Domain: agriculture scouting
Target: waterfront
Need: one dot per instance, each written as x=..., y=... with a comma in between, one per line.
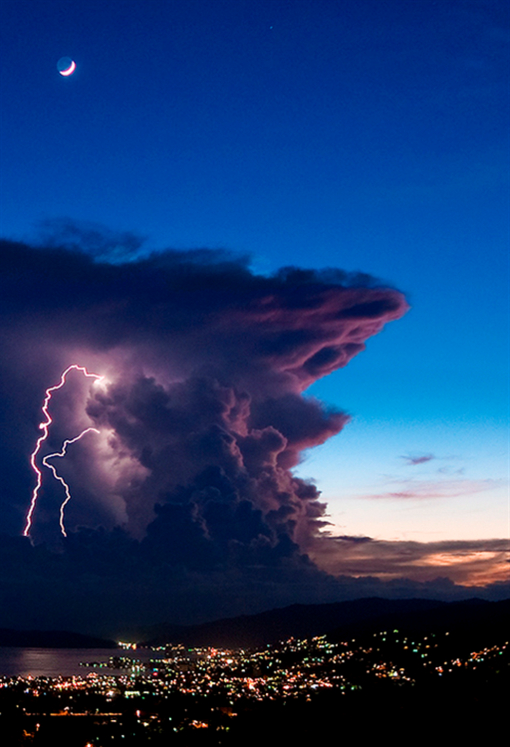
x=212, y=696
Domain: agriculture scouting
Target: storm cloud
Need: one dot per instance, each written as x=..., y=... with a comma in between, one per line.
x=201, y=413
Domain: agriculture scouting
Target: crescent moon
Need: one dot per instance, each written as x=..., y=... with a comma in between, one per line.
x=69, y=70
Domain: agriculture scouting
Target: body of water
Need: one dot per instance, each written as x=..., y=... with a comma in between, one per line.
x=62, y=662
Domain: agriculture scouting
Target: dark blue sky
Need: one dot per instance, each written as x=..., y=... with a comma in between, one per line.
x=369, y=135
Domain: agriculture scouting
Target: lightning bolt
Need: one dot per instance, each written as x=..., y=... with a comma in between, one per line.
x=59, y=477
x=45, y=426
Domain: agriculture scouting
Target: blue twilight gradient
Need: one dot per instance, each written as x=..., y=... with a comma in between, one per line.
x=364, y=134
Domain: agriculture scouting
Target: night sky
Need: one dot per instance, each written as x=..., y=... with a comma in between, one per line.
x=278, y=230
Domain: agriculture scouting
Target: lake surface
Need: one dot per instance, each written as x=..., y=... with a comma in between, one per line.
x=62, y=662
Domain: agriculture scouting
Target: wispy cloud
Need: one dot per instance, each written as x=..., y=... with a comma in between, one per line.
x=432, y=489
x=356, y=539
x=413, y=460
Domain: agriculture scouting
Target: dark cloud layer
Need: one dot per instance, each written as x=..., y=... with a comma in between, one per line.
x=476, y=562
x=201, y=413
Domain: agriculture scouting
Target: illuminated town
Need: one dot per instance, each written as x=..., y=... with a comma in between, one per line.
x=190, y=696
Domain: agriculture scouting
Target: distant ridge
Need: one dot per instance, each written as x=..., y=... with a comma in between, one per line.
x=338, y=619
x=51, y=639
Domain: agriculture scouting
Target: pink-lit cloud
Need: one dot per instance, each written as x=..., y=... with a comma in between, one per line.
x=201, y=415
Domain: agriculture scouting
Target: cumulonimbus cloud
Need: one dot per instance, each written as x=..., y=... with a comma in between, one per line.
x=202, y=414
